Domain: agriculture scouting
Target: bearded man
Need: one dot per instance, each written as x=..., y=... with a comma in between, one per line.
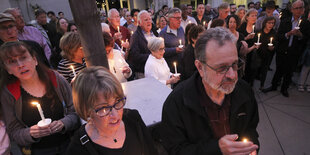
x=212, y=111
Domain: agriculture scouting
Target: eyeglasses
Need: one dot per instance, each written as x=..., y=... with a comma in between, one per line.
x=161, y=49
x=16, y=61
x=298, y=8
x=105, y=110
x=223, y=69
x=5, y=28
x=177, y=18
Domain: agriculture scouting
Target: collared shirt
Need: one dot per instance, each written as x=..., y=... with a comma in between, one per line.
x=44, y=33
x=148, y=36
x=294, y=24
x=188, y=20
x=218, y=114
x=169, y=30
x=31, y=33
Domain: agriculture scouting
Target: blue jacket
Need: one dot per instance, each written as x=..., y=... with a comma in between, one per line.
x=171, y=42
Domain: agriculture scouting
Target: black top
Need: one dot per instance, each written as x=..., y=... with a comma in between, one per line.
x=138, y=140
x=203, y=19
x=242, y=29
x=188, y=62
x=31, y=116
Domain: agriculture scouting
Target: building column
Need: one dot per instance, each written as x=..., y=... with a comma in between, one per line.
x=159, y=3
x=215, y=3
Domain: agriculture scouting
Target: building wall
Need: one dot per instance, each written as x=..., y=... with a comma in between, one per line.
x=47, y=5
x=4, y=4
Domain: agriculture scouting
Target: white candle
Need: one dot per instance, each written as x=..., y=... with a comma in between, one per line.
x=74, y=74
x=175, y=68
x=299, y=22
x=180, y=41
x=131, y=32
x=258, y=35
x=122, y=46
x=253, y=27
x=204, y=23
x=118, y=29
x=271, y=40
x=40, y=110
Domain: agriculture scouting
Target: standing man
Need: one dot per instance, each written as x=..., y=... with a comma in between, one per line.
x=119, y=33
x=122, y=13
x=173, y=33
x=224, y=11
x=201, y=18
x=53, y=19
x=290, y=48
x=190, y=10
x=185, y=18
x=29, y=32
x=128, y=19
x=233, y=8
x=139, y=52
x=212, y=111
x=133, y=26
x=270, y=7
x=61, y=15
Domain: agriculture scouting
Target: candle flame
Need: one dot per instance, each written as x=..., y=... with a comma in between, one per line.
x=258, y=34
x=190, y=22
x=245, y=140
x=174, y=63
x=131, y=32
x=71, y=67
x=35, y=103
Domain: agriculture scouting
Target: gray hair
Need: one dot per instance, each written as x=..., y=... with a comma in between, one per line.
x=218, y=34
x=299, y=1
x=140, y=13
x=172, y=11
x=105, y=27
x=111, y=11
x=154, y=43
x=223, y=6
x=10, y=10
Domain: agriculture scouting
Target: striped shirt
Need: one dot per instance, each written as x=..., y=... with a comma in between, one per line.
x=65, y=70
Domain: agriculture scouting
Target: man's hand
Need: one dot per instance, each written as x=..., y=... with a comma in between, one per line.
x=117, y=35
x=179, y=50
x=229, y=146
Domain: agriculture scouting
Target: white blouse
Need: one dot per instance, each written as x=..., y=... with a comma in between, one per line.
x=157, y=68
x=116, y=65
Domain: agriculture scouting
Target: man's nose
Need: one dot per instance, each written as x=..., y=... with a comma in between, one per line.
x=231, y=73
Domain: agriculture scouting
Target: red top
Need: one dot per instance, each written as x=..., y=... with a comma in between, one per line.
x=125, y=34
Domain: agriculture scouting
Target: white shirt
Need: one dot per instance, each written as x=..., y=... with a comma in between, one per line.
x=188, y=20
x=123, y=21
x=116, y=65
x=158, y=69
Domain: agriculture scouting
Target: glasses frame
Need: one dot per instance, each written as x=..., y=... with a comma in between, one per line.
x=240, y=64
x=110, y=107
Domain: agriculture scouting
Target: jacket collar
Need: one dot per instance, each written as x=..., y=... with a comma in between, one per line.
x=191, y=96
x=14, y=88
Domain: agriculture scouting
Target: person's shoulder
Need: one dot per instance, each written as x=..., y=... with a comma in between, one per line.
x=131, y=115
x=242, y=85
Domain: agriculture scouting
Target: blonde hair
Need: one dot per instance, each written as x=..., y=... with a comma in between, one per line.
x=69, y=44
x=90, y=83
x=244, y=19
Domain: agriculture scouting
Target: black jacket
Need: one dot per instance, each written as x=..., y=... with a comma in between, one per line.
x=185, y=126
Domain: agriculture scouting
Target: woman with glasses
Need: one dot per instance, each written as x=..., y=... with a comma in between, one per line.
x=267, y=48
x=23, y=81
x=156, y=66
x=98, y=98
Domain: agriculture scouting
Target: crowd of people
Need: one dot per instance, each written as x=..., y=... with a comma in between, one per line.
x=210, y=58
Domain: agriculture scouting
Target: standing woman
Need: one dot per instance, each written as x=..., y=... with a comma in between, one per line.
x=161, y=23
x=266, y=51
x=110, y=129
x=24, y=80
x=247, y=30
x=72, y=53
x=240, y=13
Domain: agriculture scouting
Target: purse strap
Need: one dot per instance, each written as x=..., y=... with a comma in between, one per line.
x=84, y=139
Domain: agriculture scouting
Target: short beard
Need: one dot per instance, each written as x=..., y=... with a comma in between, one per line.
x=221, y=88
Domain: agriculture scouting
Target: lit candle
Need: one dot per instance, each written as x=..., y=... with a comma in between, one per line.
x=299, y=22
x=258, y=35
x=74, y=74
x=204, y=23
x=175, y=68
x=40, y=110
x=253, y=27
x=271, y=40
x=122, y=46
x=189, y=22
x=131, y=32
x=118, y=29
x=180, y=41
x=245, y=140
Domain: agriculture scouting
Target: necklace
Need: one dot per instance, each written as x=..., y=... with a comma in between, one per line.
x=108, y=137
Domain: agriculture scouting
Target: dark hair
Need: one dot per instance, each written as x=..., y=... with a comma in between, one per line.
x=236, y=18
x=250, y=4
x=107, y=39
x=231, y=4
x=132, y=12
x=60, y=13
x=51, y=12
x=194, y=32
x=39, y=12
x=69, y=26
x=217, y=22
x=164, y=7
x=58, y=29
x=266, y=20
x=6, y=52
x=187, y=28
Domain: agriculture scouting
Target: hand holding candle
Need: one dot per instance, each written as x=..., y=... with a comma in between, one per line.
x=175, y=68
x=118, y=29
x=297, y=27
x=258, y=37
x=43, y=121
x=270, y=44
x=180, y=46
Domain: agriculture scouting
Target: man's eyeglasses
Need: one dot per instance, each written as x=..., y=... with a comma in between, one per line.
x=105, y=110
x=223, y=69
x=298, y=8
x=5, y=28
x=177, y=18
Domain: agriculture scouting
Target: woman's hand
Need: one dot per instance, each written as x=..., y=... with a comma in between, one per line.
x=56, y=126
x=117, y=35
x=270, y=48
x=173, y=79
x=38, y=132
x=125, y=45
x=250, y=36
